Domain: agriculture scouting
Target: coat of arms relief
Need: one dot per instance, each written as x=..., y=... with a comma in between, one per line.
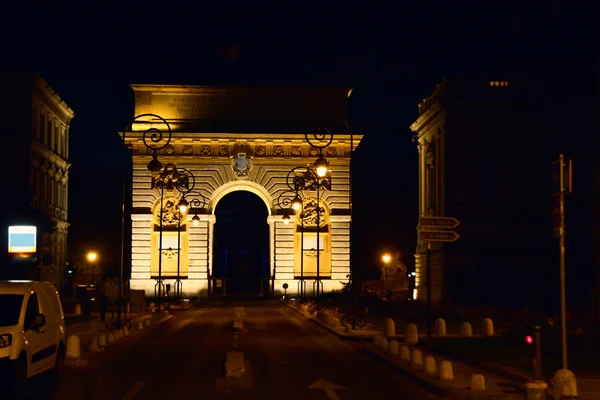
x=241, y=157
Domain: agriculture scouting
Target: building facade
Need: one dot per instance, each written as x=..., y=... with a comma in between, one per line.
x=234, y=139
x=485, y=152
x=36, y=132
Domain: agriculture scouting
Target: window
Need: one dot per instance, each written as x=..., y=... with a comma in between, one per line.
x=33, y=309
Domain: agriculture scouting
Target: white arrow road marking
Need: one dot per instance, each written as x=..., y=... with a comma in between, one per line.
x=133, y=391
x=329, y=388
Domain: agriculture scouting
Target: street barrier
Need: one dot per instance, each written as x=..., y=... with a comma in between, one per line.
x=538, y=390
x=477, y=382
x=411, y=336
x=110, y=338
x=77, y=310
x=102, y=340
x=466, y=330
x=487, y=327
x=384, y=345
x=416, y=358
x=140, y=325
x=234, y=365
x=430, y=366
x=446, y=372
x=564, y=384
x=394, y=348
x=390, y=328
x=238, y=324
x=73, y=348
x=405, y=353
x=376, y=340
x=439, y=328
x=94, y=346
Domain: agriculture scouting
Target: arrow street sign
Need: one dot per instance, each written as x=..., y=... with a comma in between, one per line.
x=439, y=236
x=438, y=222
x=329, y=388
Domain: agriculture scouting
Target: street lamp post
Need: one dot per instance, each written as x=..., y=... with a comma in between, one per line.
x=386, y=258
x=197, y=200
x=287, y=201
x=92, y=256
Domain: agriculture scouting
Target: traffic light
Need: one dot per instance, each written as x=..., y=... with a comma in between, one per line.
x=529, y=339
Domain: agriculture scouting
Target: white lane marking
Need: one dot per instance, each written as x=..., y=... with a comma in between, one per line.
x=133, y=391
x=329, y=388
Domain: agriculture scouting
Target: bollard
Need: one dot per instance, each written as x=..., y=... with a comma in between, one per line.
x=393, y=347
x=77, y=310
x=73, y=348
x=140, y=325
x=384, y=345
x=411, y=336
x=102, y=340
x=446, y=372
x=110, y=338
x=147, y=322
x=95, y=347
x=430, y=367
x=564, y=384
x=537, y=390
x=376, y=340
x=466, y=330
x=487, y=327
x=404, y=353
x=477, y=382
x=119, y=333
x=125, y=331
x=416, y=358
x=440, y=327
x=238, y=324
x=390, y=328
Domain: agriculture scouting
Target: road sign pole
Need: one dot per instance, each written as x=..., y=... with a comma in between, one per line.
x=428, y=272
x=563, y=294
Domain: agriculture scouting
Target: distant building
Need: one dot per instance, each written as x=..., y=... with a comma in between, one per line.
x=34, y=187
x=485, y=152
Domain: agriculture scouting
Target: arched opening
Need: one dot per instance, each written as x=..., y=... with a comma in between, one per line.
x=241, y=243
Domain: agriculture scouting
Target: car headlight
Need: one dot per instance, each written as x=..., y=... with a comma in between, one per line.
x=5, y=340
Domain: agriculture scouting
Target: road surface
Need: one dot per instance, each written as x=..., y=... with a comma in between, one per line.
x=286, y=357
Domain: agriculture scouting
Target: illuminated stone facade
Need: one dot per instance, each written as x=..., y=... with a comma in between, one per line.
x=38, y=151
x=240, y=139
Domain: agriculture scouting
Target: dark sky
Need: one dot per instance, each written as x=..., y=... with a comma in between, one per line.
x=392, y=55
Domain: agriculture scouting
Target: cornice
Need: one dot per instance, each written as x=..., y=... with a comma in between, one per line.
x=54, y=98
x=205, y=90
x=433, y=113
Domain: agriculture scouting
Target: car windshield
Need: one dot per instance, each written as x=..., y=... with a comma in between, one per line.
x=10, y=308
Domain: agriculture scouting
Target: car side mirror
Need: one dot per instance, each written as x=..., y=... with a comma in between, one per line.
x=40, y=320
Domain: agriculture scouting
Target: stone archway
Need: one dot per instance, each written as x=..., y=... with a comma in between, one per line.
x=241, y=251
x=240, y=139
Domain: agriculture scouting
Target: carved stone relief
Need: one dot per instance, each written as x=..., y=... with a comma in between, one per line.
x=205, y=150
x=296, y=151
x=278, y=151
x=241, y=159
x=187, y=149
x=260, y=151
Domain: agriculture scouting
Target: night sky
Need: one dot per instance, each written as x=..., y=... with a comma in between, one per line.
x=392, y=57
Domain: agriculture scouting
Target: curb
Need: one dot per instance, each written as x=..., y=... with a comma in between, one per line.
x=338, y=334
x=411, y=376
x=519, y=378
x=427, y=384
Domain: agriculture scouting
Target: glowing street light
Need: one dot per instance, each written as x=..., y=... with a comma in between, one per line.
x=91, y=256
x=386, y=258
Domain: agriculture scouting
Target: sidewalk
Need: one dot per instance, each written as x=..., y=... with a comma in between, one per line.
x=501, y=381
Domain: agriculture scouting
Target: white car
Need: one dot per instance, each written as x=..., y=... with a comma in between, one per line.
x=32, y=330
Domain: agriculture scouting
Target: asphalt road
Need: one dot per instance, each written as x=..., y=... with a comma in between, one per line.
x=184, y=358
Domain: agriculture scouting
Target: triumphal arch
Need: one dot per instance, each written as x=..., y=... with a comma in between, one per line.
x=239, y=139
